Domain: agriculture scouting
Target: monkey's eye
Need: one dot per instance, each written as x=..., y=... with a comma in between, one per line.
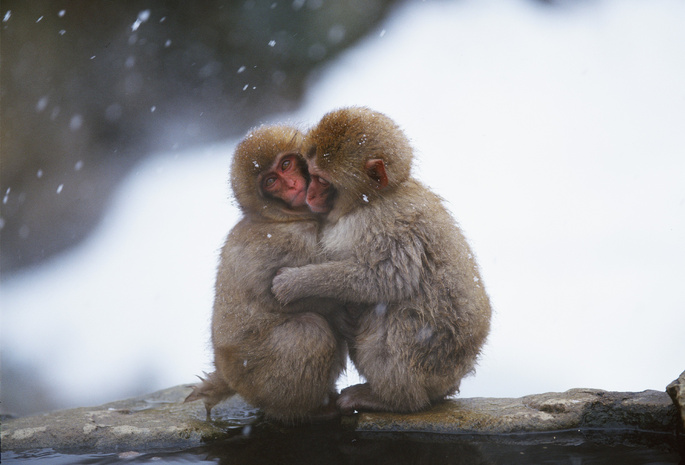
x=321, y=181
x=286, y=164
x=268, y=182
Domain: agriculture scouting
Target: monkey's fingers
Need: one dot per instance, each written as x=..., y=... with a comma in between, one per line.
x=280, y=288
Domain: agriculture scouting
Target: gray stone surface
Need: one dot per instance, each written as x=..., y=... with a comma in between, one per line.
x=158, y=420
x=162, y=421
x=677, y=392
x=573, y=409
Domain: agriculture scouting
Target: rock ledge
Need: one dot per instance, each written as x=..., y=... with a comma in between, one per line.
x=162, y=421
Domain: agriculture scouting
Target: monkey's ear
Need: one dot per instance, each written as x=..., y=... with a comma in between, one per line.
x=375, y=169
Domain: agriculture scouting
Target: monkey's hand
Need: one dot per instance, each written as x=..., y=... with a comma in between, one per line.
x=286, y=287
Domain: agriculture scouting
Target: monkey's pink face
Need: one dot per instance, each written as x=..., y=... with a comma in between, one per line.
x=320, y=191
x=286, y=181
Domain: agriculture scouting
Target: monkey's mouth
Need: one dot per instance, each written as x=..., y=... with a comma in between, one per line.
x=300, y=199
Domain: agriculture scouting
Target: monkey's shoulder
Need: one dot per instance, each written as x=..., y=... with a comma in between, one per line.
x=269, y=238
x=411, y=220
x=411, y=206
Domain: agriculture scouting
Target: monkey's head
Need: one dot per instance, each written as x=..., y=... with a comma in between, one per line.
x=269, y=175
x=354, y=155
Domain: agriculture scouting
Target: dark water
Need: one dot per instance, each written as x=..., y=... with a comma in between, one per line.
x=323, y=445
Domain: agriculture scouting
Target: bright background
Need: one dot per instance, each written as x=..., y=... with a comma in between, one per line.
x=556, y=137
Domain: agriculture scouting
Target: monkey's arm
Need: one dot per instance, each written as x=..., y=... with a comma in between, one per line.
x=347, y=280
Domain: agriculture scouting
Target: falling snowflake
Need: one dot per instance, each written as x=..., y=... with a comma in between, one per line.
x=143, y=16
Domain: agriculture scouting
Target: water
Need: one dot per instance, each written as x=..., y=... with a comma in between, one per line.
x=331, y=445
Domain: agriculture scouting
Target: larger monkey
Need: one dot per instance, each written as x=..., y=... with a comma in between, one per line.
x=398, y=261
x=284, y=360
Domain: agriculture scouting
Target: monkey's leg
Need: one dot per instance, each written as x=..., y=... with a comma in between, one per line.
x=212, y=390
x=290, y=374
x=407, y=364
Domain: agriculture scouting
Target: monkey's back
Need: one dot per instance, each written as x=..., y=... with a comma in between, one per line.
x=433, y=314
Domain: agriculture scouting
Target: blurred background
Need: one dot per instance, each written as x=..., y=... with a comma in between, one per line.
x=554, y=130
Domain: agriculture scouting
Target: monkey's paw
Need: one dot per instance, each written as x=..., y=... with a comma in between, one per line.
x=357, y=397
x=282, y=287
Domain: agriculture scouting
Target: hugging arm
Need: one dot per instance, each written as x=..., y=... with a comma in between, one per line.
x=396, y=277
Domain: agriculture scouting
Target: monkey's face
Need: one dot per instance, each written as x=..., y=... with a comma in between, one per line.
x=269, y=175
x=354, y=154
x=286, y=180
x=320, y=192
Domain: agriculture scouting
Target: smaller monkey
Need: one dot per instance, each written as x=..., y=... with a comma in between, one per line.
x=398, y=261
x=284, y=360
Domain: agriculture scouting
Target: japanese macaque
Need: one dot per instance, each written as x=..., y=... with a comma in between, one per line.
x=283, y=359
x=398, y=261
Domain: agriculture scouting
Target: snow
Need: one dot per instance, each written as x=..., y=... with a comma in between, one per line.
x=555, y=135
x=143, y=16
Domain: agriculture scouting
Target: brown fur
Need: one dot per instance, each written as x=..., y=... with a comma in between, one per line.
x=401, y=264
x=284, y=360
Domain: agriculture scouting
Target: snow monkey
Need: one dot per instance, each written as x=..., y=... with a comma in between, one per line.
x=283, y=359
x=398, y=261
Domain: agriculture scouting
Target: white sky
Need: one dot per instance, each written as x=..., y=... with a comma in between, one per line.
x=556, y=137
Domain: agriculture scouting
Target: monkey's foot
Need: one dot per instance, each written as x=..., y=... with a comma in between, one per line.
x=358, y=397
